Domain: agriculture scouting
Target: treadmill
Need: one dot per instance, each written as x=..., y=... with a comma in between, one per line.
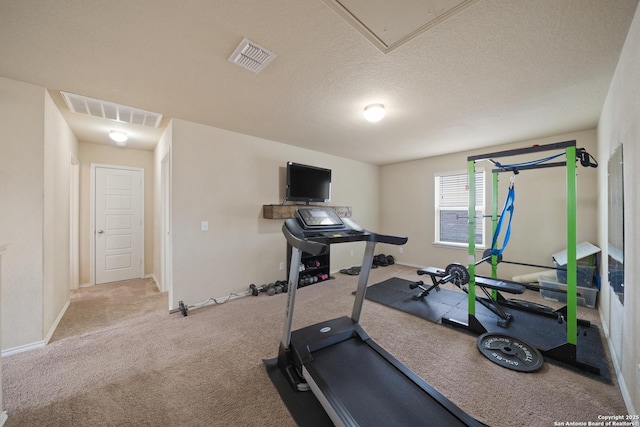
x=355, y=380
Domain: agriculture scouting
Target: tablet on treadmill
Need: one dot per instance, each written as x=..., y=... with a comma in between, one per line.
x=319, y=217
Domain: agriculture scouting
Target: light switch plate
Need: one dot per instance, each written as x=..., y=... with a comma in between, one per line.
x=204, y=225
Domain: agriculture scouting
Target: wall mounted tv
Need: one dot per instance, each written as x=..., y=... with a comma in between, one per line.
x=307, y=183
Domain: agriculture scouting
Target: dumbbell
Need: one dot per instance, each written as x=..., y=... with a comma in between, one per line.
x=313, y=263
x=416, y=284
x=270, y=289
x=280, y=286
x=254, y=290
x=307, y=280
x=284, y=285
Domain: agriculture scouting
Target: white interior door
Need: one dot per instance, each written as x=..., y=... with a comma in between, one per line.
x=119, y=224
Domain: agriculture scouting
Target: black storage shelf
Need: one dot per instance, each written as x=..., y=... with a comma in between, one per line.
x=316, y=267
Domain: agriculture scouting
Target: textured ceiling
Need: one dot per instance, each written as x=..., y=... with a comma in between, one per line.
x=494, y=72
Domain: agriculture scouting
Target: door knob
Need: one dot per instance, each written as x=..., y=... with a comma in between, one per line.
x=100, y=231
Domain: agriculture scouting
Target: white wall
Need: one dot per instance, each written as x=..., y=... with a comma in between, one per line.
x=22, y=210
x=620, y=124
x=224, y=178
x=112, y=155
x=539, y=219
x=59, y=145
x=34, y=215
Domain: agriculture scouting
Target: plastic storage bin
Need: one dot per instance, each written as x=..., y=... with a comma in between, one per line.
x=586, y=295
x=584, y=274
x=586, y=254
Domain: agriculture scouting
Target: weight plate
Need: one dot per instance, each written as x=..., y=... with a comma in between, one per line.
x=486, y=255
x=510, y=352
x=459, y=272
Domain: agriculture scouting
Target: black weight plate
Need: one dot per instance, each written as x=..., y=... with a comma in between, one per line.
x=486, y=255
x=459, y=272
x=510, y=352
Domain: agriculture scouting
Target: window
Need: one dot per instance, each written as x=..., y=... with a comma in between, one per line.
x=452, y=208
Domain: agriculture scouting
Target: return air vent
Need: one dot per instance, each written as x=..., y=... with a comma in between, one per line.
x=109, y=110
x=251, y=56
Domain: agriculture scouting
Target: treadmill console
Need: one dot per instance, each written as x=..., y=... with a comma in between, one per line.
x=314, y=228
x=319, y=217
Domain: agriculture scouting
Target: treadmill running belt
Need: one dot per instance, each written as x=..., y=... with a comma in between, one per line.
x=373, y=390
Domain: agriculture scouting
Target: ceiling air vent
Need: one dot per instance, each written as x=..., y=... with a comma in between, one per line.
x=109, y=110
x=251, y=56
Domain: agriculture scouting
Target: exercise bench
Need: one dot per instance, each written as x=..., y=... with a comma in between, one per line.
x=459, y=276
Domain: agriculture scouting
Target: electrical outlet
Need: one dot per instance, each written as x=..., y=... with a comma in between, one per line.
x=204, y=225
x=401, y=249
x=281, y=266
x=351, y=252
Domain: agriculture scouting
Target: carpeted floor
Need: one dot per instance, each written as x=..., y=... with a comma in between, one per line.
x=119, y=358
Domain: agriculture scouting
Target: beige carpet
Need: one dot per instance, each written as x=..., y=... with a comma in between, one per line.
x=119, y=358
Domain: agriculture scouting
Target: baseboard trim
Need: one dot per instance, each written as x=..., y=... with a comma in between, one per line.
x=37, y=344
x=153, y=277
x=411, y=265
x=57, y=321
x=22, y=348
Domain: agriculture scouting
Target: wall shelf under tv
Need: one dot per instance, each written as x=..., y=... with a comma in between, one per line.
x=287, y=211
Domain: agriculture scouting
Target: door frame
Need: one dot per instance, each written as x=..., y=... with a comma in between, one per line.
x=166, y=255
x=74, y=222
x=92, y=216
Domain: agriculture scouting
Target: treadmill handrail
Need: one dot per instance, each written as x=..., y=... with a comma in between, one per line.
x=316, y=242
x=299, y=242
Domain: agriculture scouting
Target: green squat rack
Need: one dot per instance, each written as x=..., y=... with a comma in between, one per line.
x=565, y=352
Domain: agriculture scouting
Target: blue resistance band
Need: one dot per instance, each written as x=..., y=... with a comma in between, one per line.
x=508, y=207
x=530, y=163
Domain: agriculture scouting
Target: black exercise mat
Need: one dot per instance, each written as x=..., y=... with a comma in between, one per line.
x=539, y=331
x=395, y=292
x=303, y=406
x=546, y=333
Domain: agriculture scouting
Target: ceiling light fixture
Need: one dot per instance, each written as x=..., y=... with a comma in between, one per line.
x=119, y=137
x=374, y=112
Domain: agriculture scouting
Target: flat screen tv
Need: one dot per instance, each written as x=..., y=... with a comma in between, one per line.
x=308, y=183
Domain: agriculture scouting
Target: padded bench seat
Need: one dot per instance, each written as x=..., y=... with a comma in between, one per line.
x=500, y=285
